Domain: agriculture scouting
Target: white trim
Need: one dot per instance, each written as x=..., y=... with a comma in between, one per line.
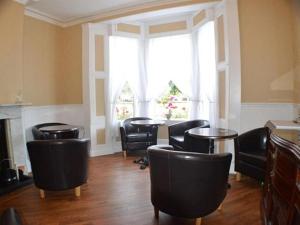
x=43, y=17
x=115, y=32
x=23, y=2
x=102, y=15
x=255, y=115
x=264, y=104
x=185, y=19
x=107, y=13
x=169, y=33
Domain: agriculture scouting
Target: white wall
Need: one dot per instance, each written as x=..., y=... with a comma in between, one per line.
x=254, y=115
x=70, y=114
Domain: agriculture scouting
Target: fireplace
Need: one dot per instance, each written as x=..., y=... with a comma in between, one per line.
x=11, y=178
x=4, y=162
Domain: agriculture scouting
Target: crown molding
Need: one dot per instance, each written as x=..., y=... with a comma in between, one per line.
x=43, y=17
x=23, y=2
x=109, y=14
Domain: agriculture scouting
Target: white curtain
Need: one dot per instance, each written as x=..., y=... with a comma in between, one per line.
x=123, y=66
x=195, y=101
x=207, y=74
x=169, y=58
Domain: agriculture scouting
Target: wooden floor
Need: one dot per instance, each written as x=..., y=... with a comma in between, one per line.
x=118, y=193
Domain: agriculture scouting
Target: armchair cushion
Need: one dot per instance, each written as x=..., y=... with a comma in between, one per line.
x=258, y=159
x=139, y=137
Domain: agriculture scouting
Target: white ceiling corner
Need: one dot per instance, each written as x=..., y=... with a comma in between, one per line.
x=70, y=12
x=23, y=2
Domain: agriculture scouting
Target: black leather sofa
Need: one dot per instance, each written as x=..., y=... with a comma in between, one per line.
x=251, y=153
x=10, y=217
x=177, y=134
x=38, y=135
x=137, y=138
x=187, y=184
x=59, y=164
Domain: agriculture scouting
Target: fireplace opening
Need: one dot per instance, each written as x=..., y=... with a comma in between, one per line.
x=11, y=178
x=4, y=162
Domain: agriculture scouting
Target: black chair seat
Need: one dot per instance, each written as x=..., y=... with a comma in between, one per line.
x=138, y=137
x=254, y=159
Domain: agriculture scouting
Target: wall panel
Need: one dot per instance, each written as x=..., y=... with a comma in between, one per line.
x=11, y=50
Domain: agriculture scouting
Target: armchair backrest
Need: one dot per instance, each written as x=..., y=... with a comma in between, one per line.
x=187, y=184
x=192, y=144
x=129, y=128
x=180, y=128
x=60, y=163
x=37, y=134
x=253, y=140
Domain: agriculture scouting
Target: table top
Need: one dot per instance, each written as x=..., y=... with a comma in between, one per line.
x=147, y=122
x=59, y=128
x=212, y=133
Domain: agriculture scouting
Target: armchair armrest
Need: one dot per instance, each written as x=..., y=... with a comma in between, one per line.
x=161, y=147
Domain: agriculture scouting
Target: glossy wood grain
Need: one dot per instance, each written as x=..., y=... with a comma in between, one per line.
x=118, y=193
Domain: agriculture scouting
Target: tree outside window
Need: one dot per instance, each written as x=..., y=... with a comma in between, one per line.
x=172, y=104
x=125, y=103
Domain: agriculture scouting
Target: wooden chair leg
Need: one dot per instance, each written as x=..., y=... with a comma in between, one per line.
x=124, y=154
x=77, y=191
x=220, y=207
x=238, y=176
x=42, y=193
x=156, y=213
x=198, y=221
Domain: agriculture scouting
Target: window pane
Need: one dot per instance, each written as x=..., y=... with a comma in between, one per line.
x=169, y=59
x=172, y=104
x=124, y=106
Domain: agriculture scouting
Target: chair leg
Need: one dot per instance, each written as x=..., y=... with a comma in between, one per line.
x=124, y=154
x=238, y=176
x=220, y=207
x=156, y=213
x=198, y=221
x=77, y=191
x=42, y=193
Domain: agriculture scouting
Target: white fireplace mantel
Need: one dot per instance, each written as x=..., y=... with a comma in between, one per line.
x=15, y=134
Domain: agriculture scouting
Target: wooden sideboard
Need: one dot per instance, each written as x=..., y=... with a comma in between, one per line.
x=281, y=193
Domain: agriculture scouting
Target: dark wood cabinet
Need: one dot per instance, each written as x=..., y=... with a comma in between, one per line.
x=281, y=194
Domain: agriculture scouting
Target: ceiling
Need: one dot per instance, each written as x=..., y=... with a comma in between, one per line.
x=68, y=10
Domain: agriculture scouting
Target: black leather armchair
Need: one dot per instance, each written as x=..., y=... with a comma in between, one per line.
x=192, y=144
x=187, y=184
x=59, y=164
x=10, y=217
x=38, y=135
x=177, y=133
x=251, y=153
x=137, y=138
